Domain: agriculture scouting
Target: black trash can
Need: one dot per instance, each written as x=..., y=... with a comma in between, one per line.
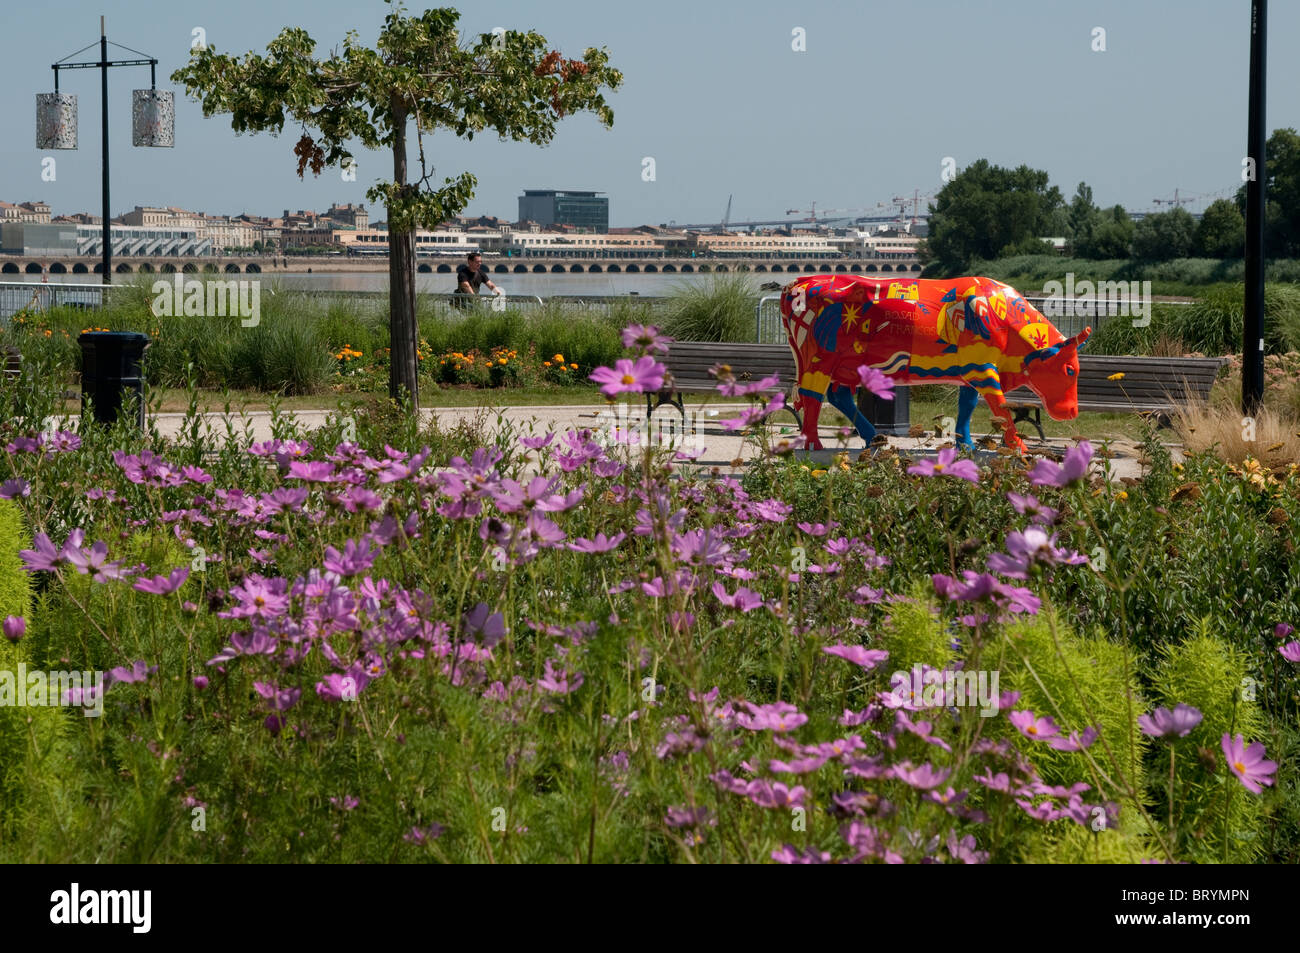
x=890, y=417
x=110, y=370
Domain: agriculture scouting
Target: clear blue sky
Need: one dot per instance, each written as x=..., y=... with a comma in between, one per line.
x=714, y=92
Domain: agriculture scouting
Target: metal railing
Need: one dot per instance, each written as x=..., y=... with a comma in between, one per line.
x=17, y=296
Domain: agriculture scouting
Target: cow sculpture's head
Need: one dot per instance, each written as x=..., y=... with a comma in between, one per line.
x=1053, y=374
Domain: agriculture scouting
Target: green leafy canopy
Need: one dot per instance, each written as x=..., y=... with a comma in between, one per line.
x=509, y=83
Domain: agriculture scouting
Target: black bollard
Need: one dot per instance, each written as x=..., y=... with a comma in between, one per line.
x=890, y=417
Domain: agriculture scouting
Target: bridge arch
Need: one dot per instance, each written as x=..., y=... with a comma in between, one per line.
x=424, y=268
x=670, y=268
x=501, y=270
x=10, y=268
x=687, y=269
x=614, y=269
x=557, y=269
x=33, y=268
x=633, y=269
x=146, y=268
x=760, y=267
x=189, y=268
x=232, y=269
x=80, y=269
x=722, y=268
x=444, y=269
x=539, y=269
x=58, y=268
x=575, y=269
x=123, y=269
x=168, y=268
x=595, y=270
x=841, y=269
x=209, y=268
x=651, y=269
x=872, y=269
x=809, y=269
x=252, y=268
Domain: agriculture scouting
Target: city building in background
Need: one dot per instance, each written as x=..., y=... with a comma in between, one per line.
x=549, y=207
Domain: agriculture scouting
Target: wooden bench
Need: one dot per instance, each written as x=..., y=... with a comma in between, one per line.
x=1154, y=386
x=688, y=364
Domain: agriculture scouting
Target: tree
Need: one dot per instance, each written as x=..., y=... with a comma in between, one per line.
x=987, y=210
x=1083, y=217
x=508, y=82
x=1281, y=194
x=1111, y=237
x=1164, y=235
x=1221, y=233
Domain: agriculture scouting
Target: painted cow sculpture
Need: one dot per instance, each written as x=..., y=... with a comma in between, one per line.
x=974, y=332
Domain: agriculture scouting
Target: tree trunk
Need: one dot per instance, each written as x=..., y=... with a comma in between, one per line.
x=403, y=331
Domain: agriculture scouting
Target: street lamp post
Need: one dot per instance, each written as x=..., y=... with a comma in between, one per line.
x=153, y=118
x=1252, y=348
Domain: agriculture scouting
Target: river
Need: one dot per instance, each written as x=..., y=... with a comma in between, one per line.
x=530, y=284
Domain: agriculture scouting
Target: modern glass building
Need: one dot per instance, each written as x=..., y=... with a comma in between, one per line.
x=589, y=210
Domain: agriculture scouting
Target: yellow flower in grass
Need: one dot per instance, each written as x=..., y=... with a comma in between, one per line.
x=1121, y=495
x=558, y=358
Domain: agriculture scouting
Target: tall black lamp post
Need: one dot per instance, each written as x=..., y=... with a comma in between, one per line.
x=153, y=118
x=1252, y=346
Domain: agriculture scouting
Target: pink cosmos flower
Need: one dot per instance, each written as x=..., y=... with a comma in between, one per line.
x=600, y=544
x=877, y=382
x=947, y=464
x=789, y=854
x=1163, y=723
x=645, y=374
x=11, y=489
x=746, y=600
x=162, y=585
x=778, y=716
x=857, y=654
x=1247, y=763
x=15, y=627
x=1075, y=467
x=1035, y=729
x=645, y=338
x=1291, y=652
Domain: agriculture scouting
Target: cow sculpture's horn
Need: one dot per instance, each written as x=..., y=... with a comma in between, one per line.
x=1081, y=338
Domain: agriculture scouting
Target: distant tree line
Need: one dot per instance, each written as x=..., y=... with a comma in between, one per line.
x=987, y=212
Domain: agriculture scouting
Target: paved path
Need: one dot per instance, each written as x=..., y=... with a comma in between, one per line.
x=720, y=447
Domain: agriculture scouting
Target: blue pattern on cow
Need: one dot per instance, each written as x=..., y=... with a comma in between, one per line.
x=974, y=322
x=826, y=326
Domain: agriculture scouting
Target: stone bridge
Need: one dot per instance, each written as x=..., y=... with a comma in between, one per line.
x=147, y=265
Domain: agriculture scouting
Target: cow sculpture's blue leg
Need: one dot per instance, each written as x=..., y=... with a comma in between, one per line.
x=841, y=398
x=966, y=402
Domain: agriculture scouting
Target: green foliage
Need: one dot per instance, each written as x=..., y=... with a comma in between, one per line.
x=1221, y=232
x=1209, y=674
x=720, y=310
x=1164, y=235
x=914, y=634
x=1281, y=193
x=987, y=209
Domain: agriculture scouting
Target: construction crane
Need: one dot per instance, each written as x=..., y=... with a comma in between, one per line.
x=1175, y=201
x=726, y=218
x=902, y=200
x=812, y=212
